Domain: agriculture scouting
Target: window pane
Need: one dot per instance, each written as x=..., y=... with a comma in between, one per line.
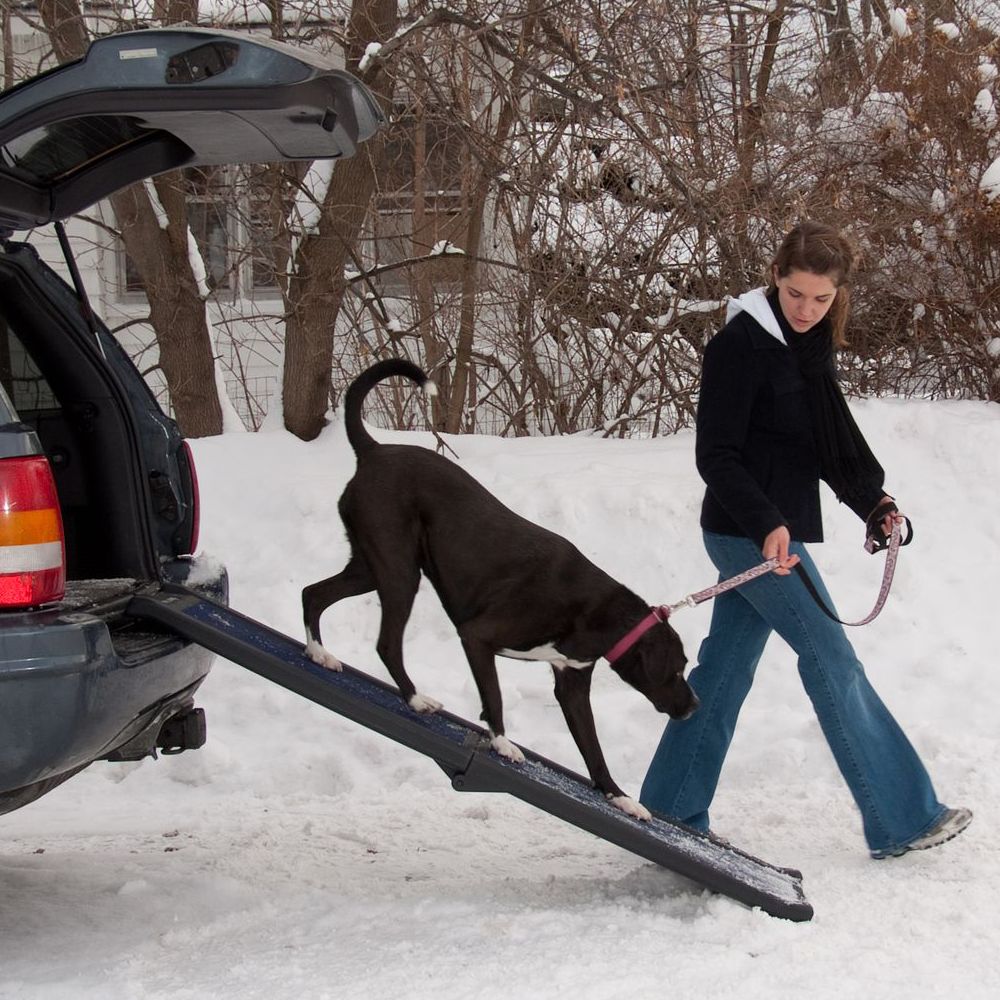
x=57, y=149
x=20, y=376
x=208, y=223
x=264, y=248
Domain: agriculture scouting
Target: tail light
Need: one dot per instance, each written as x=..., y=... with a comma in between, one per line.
x=32, y=548
x=195, y=515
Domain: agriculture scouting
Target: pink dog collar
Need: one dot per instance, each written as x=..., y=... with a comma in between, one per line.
x=655, y=617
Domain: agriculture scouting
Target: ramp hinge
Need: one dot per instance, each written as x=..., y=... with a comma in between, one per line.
x=483, y=773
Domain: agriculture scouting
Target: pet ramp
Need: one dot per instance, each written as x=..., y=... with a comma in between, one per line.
x=462, y=751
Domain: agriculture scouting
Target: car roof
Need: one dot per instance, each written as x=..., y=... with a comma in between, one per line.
x=143, y=102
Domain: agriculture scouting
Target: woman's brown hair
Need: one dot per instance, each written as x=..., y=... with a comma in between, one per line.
x=820, y=249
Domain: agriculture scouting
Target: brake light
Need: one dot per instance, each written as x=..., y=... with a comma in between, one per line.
x=32, y=548
x=195, y=499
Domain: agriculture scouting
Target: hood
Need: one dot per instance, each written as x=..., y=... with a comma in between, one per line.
x=755, y=303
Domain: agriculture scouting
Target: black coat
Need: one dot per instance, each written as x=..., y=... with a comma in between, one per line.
x=755, y=447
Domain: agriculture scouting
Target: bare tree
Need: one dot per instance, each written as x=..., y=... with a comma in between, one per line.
x=317, y=286
x=564, y=196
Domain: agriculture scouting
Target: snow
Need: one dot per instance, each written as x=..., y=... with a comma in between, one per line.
x=989, y=183
x=298, y=855
x=984, y=114
x=443, y=247
x=948, y=29
x=898, y=23
x=305, y=217
x=372, y=50
x=162, y=220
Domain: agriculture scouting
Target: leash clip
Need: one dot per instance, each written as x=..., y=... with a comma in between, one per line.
x=684, y=602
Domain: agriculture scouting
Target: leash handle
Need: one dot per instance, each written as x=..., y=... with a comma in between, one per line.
x=894, y=542
x=875, y=544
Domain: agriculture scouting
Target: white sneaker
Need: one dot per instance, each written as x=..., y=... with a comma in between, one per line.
x=951, y=824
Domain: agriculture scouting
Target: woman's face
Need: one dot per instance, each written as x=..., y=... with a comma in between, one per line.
x=805, y=298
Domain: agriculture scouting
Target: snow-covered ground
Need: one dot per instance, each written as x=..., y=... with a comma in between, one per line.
x=299, y=856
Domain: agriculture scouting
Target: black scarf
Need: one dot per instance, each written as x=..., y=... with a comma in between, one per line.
x=846, y=461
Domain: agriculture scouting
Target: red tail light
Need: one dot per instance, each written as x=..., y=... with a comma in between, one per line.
x=195, y=500
x=32, y=548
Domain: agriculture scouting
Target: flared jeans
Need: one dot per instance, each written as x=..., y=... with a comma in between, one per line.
x=883, y=772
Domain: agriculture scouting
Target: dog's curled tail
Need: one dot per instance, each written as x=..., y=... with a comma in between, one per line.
x=354, y=398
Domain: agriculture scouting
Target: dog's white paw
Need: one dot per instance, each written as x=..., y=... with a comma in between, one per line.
x=424, y=705
x=506, y=749
x=631, y=807
x=322, y=656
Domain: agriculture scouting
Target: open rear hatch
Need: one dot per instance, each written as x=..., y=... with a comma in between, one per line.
x=144, y=102
x=137, y=104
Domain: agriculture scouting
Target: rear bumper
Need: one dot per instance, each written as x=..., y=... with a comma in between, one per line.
x=74, y=688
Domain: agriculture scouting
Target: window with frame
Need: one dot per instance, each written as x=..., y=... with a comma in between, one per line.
x=269, y=199
x=419, y=204
x=549, y=107
x=235, y=217
x=209, y=217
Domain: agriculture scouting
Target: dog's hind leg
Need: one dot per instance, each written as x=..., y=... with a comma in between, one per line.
x=484, y=669
x=354, y=579
x=397, y=592
x=573, y=695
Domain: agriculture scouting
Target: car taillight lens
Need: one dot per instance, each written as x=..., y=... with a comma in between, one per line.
x=195, y=499
x=32, y=549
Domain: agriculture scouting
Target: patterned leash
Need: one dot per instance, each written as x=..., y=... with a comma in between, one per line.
x=720, y=588
x=891, y=555
x=664, y=611
x=660, y=614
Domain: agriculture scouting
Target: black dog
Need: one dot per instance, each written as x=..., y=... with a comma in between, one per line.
x=511, y=587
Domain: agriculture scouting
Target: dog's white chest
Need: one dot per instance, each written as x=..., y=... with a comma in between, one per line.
x=547, y=654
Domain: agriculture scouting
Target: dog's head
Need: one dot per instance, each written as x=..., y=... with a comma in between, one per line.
x=655, y=666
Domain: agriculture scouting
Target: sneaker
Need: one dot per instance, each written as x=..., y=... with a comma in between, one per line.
x=951, y=824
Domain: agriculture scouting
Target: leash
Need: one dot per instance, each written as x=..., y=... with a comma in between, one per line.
x=660, y=614
x=892, y=547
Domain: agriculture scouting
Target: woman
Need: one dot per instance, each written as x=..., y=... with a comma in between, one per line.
x=771, y=423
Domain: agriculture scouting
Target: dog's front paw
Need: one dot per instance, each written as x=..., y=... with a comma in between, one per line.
x=424, y=705
x=507, y=750
x=630, y=806
x=322, y=656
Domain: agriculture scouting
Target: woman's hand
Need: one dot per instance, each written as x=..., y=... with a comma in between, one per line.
x=880, y=523
x=891, y=518
x=776, y=547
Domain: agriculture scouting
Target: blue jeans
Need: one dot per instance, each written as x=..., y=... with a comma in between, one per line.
x=883, y=772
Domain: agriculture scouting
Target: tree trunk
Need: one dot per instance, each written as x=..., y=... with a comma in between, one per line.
x=467, y=320
x=177, y=311
x=176, y=307
x=423, y=291
x=317, y=288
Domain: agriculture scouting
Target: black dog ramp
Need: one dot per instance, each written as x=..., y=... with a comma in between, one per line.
x=462, y=750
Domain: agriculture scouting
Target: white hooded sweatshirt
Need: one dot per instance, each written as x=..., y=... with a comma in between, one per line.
x=755, y=303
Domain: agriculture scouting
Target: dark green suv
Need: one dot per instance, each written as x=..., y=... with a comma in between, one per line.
x=98, y=495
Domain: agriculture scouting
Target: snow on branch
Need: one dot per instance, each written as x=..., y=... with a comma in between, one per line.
x=990, y=182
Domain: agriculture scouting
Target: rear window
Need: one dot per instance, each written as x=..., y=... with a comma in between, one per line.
x=23, y=387
x=56, y=150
